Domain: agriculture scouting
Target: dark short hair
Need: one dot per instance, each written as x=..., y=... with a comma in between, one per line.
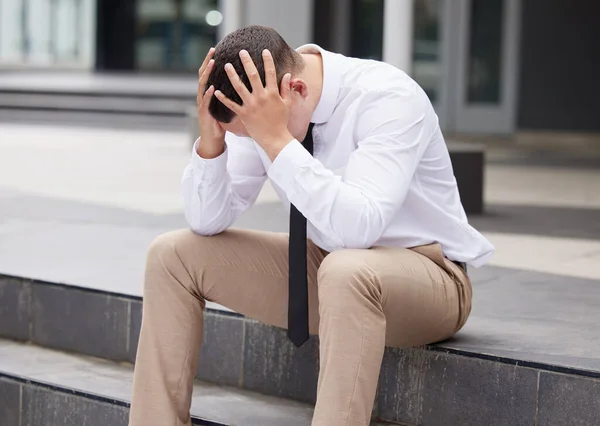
x=254, y=39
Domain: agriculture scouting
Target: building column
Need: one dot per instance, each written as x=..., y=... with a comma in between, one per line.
x=398, y=33
x=233, y=11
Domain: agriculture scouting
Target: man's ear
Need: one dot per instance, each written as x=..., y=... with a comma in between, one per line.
x=299, y=86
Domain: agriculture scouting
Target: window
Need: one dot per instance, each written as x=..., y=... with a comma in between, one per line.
x=367, y=29
x=175, y=34
x=426, y=57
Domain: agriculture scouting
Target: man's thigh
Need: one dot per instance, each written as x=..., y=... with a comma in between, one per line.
x=420, y=299
x=246, y=271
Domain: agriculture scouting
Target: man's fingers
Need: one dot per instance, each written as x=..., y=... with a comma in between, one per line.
x=204, y=76
x=237, y=82
x=208, y=94
x=202, y=82
x=251, y=71
x=207, y=59
x=227, y=102
x=270, y=71
x=285, y=91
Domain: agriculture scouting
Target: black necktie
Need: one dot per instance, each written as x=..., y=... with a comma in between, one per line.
x=298, y=279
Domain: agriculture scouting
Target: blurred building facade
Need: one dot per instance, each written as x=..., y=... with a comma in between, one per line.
x=489, y=66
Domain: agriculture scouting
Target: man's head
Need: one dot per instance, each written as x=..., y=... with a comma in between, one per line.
x=254, y=40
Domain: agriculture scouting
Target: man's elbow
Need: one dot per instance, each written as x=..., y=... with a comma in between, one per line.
x=365, y=240
x=201, y=227
x=365, y=230
x=205, y=232
x=358, y=243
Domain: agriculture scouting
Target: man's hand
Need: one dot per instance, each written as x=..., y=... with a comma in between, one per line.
x=212, y=135
x=265, y=111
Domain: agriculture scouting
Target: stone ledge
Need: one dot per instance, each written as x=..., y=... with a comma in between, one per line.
x=417, y=386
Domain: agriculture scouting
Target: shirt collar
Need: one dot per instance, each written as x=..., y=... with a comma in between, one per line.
x=331, y=83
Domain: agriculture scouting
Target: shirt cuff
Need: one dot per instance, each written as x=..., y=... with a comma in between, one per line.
x=209, y=169
x=287, y=165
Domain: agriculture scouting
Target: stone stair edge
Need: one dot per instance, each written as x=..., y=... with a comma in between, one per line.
x=100, y=396
x=246, y=354
x=88, y=103
x=441, y=347
x=108, y=382
x=184, y=96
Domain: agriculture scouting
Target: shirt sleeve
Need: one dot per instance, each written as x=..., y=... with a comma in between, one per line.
x=353, y=210
x=217, y=191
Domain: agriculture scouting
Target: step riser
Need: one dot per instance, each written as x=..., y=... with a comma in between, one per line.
x=418, y=386
x=96, y=104
x=107, y=326
x=33, y=404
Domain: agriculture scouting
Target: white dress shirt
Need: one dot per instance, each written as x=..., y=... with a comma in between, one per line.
x=380, y=175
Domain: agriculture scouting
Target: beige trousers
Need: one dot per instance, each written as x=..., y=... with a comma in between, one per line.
x=359, y=302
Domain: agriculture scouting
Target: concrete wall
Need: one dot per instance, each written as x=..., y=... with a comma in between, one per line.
x=291, y=18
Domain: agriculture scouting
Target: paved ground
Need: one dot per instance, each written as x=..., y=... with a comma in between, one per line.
x=80, y=206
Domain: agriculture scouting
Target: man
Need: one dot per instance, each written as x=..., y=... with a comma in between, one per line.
x=388, y=238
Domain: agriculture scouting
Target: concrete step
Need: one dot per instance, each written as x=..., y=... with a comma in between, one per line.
x=89, y=83
x=40, y=386
x=438, y=385
x=125, y=111
x=130, y=104
x=90, y=99
x=98, y=119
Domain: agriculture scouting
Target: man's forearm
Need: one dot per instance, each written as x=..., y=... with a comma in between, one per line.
x=206, y=188
x=207, y=204
x=273, y=148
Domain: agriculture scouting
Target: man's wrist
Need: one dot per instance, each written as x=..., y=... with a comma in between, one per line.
x=210, y=148
x=274, y=146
